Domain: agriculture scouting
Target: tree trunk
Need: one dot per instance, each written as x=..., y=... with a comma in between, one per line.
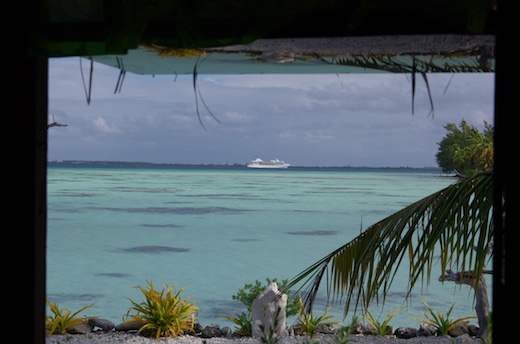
x=481, y=297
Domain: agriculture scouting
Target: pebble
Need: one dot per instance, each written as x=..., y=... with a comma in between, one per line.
x=128, y=338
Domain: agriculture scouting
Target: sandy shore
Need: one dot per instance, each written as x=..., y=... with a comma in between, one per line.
x=125, y=338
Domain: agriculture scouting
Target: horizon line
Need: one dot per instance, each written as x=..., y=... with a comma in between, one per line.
x=106, y=162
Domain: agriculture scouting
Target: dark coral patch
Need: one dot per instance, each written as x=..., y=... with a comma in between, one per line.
x=113, y=274
x=319, y=233
x=179, y=211
x=62, y=298
x=153, y=249
x=168, y=225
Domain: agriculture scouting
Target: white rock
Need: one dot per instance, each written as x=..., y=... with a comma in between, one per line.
x=268, y=314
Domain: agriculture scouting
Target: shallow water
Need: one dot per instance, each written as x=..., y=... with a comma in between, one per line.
x=213, y=230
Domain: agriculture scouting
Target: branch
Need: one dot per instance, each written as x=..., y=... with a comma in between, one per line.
x=55, y=124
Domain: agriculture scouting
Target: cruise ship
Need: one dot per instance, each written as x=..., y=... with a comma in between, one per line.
x=259, y=163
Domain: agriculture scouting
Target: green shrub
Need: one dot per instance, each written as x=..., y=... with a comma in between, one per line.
x=310, y=324
x=442, y=323
x=381, y=327
x=250, y=292
x=242, y=323
x=62, y=319
x=246, y=296
x=164, y=313
x=343, y=332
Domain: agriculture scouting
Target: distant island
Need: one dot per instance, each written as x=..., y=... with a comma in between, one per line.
x=137, y=164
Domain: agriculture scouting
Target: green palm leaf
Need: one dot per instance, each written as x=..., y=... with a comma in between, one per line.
x=453, y=225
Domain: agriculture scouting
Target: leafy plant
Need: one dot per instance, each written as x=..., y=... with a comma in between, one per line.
x=341, y=337
x=310, y=324
x=164, y=313
x=250, y=292
x=381, y=327
x=443, y=323
x=62, y=319
x=242, y=323
x=343, y=332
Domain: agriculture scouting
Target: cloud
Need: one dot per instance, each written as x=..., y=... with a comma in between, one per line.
x=101, y=125
x=305, y=119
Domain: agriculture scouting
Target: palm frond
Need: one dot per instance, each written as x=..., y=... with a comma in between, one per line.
x=454, y=224
x=198, y=94
x=448, y=63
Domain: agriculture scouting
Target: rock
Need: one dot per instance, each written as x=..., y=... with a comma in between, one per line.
x=469, y=329
x=473, y=330
x=83, y=328
x=268, y=314
x=464, y=339
x=357, y=328
x=197, y=328
x=458, y=331
x=226, y=331
x=368, y=329
x=104, y=324
x=327, y=329
x=129, y=326
x=210, y=331
x=296, y=330
x=405, y=332
x=426, y=330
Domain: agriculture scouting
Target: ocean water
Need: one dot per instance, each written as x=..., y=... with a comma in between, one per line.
x=212, y=230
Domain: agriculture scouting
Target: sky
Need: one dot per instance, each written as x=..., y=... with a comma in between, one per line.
x=358, y=120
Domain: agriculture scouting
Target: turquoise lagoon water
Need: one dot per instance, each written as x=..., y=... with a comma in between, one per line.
x=213, y=230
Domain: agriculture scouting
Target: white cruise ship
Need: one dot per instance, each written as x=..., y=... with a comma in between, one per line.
x=259, y=163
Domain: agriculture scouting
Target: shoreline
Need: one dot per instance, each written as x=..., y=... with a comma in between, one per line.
x=104, y=333
x=113, y=337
